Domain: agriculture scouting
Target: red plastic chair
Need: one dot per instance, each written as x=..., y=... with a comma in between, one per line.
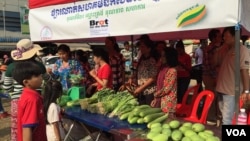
x=208, y=99
x=184, y=108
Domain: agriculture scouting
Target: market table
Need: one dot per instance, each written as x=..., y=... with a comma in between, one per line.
x=112, y=125
x=115, y=126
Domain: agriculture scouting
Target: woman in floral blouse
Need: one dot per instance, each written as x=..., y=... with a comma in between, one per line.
x=65, y=66
x=167, y=81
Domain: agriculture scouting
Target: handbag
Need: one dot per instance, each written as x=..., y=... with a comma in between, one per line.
x=156, y=102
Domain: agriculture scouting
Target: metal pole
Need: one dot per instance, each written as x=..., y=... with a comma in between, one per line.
x=132, y=59
x=132, y=47
x=237, y=70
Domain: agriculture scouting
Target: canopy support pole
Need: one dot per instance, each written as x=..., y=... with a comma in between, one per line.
x=133, y=51
x=237, y=70
x=132, y=46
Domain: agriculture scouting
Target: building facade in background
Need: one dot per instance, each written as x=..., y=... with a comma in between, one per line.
x=12, y=22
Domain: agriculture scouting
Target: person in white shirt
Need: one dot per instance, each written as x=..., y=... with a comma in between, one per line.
x=196, y=72
x=127, y=54
x=225, y=86
x=54, y=129
x=199, y=54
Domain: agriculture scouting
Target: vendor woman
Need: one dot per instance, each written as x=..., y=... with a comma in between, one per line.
x=65, y=66
x=102, y=74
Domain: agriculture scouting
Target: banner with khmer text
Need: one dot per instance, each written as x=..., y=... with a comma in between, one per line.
x=99, y=18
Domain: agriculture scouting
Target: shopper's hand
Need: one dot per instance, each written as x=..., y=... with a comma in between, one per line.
x=137, y=91
x=130, y=81
x=156, y=94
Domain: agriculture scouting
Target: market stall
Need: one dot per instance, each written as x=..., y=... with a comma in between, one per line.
x=120, y=114
x=116, y=126
x=82, y=21
x=104, y=123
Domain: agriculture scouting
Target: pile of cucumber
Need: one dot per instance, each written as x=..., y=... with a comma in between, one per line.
x=144, y=114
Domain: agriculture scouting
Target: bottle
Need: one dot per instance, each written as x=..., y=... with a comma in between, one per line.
x=242, y=117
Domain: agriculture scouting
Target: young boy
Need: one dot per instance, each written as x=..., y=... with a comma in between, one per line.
x=31, y=122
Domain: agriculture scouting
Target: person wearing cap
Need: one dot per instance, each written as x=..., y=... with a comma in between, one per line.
x=25, y=51
x=3, y=113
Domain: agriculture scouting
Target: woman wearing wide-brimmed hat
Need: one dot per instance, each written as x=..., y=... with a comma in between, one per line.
x=25, y=51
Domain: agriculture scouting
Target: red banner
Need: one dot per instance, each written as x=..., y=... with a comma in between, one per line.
x=42, y=3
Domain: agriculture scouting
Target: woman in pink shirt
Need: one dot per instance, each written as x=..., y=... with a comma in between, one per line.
x=103, y=74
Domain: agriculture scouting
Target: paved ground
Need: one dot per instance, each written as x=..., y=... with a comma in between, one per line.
x=5, y=123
